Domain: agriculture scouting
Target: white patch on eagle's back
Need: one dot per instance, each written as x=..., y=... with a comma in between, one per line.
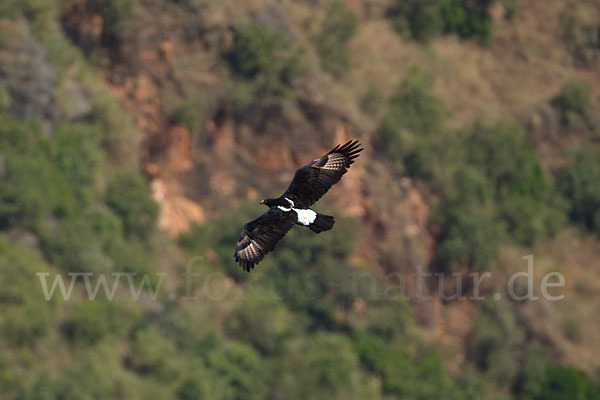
x=290, y=201
x=284, y=209
x=306, y=217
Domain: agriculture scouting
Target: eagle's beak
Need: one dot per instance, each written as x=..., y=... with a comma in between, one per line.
x=262, y=202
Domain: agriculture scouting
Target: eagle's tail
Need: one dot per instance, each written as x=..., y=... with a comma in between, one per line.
x=322, y=223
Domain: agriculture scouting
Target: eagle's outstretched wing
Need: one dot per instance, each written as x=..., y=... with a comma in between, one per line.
x=260, y=236
x=314, y=179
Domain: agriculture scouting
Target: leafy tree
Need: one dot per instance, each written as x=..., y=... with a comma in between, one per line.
x=151, y=354
x=577, y=184
x=414, y=115
x=191, y=389
x=339, y=27
x=262, y=320
x=520, y=185
x=127, y=195
x=563, y=382
x=469, y=230
x=468, y=19
x=528, y=380
x=575, y=102
x=191, y=113
x=26, y=315
x=31, y=186
x=240, y=371
x=93, y=320
x=424, y=20
x=406, y=375
x=100, y=374
x=75, y=150
x=421, y=20
x=495, y=342
x=323, y=365
x=266, y=61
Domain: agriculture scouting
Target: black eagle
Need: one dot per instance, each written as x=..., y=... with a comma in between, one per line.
x=310, y=182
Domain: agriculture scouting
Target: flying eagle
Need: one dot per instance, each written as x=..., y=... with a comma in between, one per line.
x=260, y=236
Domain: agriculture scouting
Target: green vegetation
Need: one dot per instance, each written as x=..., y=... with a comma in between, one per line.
x=424, y=20
x=266, y=63
x=414, y=114
x=490, y=183
x=315, y=320
x=116, y=14
x=127, y=195
x=499, y=191
x=578, y=189
x=575, y=102
x=190, y=113
x=339, y=27
x=564, y=382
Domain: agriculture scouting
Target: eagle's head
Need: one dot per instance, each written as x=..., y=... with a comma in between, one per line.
x=269, y=202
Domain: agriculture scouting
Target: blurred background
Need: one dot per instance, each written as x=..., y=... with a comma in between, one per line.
x=138, y=136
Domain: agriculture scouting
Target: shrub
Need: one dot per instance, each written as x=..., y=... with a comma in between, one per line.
x=100, y=374
x=330, y=360
x=339, y=27
x=190, y=113
x=528, y=380
x=31, y=186
x=93, y=320
x=75, y=150
x=406, y=375
x=323, y=365
x=151, y=354
x=240, y=371
x=563, y=382
x=26, y=315
x=503, y=154
x=424, y=20
x=43, y=388
x=468, y=19
x=469, y=231
x=415, y=107
x=372, y=101
x=90, y=322
x=420, y=20
x=326, y=284
x=191, y=389
x=577, y=184
x=491, y=184
x=118, y=136
x=520, y=186
x=265, y=60
x=70, y=244
x=496, y=342
x=575, y=103
x=262, y=320
x=468, y=235
x=116, y=14
x=37, y=12
x=414, y=115
x=128, y=196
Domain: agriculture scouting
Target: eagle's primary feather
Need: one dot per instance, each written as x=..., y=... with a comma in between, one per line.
x=314, y=179
x=261, y=235
x=310, y=183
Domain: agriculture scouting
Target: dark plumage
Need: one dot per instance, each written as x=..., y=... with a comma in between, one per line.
x=310, y=183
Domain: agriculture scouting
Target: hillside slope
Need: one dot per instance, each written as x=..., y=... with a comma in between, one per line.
x=138, y=136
